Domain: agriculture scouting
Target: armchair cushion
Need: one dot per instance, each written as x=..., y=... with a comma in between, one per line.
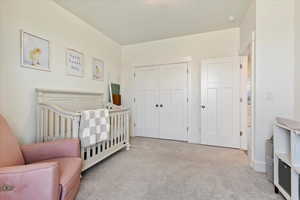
x=51, y=150
x=10, y=153
x=69, y=170
x=52, y=173
x=34, y=182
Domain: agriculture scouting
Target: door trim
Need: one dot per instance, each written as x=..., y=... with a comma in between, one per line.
x=163, y=62
x=244, y=103
x=186, y=60
x=250, y=49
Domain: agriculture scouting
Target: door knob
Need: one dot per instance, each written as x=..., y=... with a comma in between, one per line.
x=161, y=105
x=156, y=105
x=203, y=107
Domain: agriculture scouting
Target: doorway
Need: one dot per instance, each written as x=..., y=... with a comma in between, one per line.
x=246, y=102
x=248, y=96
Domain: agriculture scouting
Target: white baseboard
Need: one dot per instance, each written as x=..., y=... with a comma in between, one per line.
x=258, y=166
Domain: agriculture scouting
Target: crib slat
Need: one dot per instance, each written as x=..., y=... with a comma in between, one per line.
x=75, y=128
x=115, y=129
x=101, y=147
x=93, y=153
x=69, y=128
x=98, y=147
x=38, y=136
x=51, y=123
x=127, y=129
x=88, y=149
x=119, y=128
x=56, y=125
x=105, y=145
x=123, y=127
x=44, y=137
x=82, y=153
x=63, y=127
x=112, y=131
x=46, y=123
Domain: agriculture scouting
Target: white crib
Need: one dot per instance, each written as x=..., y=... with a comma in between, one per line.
x=58, y=117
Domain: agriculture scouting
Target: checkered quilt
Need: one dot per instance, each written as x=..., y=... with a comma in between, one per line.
x=94, y=127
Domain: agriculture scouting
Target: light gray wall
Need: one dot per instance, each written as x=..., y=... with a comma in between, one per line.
x=2, y=79
x=248, y=25
x=64, y=30
x=297, y=52
x=274, y=69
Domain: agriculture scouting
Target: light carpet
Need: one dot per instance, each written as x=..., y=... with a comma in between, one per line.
x=168, y=170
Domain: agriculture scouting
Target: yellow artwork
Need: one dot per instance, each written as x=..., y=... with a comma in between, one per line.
x=35, y=52
x=35, y=56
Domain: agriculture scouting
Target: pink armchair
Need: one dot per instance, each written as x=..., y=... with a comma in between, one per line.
x=48, y=171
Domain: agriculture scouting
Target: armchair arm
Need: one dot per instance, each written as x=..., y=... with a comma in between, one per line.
x=51, y=150
x=34, y=182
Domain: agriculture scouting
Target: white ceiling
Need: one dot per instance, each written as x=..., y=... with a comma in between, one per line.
x=134, y=21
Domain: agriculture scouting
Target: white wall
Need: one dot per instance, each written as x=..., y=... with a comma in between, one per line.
x=274, y=69
x=247, y=26
x=64, y=30
x=297, y=66
x=206, y=45
x=2, y=79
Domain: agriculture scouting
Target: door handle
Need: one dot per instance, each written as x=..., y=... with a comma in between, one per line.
x=161, y=105
x=203, y=107
x=156, y=105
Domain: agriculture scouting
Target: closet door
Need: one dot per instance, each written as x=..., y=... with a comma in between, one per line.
x=147, y=102
x=173, y=101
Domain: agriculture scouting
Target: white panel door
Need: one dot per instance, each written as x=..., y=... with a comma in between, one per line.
x=220, y=102
x=173, y=101
x=147, y=102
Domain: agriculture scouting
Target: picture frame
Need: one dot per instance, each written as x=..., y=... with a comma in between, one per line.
x=98, y=69
x=114, y=93
x=110, y=96
x=74, y=63
x=35, y=52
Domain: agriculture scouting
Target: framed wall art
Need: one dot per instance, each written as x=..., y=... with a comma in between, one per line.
x=35, y=52
x=98, y=69
x=75, y=63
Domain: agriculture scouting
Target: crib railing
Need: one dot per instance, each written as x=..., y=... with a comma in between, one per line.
x=56, y=123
